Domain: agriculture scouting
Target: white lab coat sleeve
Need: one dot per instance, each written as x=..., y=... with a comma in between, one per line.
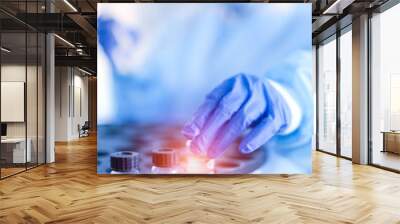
x=294, y=108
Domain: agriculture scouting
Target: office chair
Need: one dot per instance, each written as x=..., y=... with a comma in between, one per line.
x=84, y=130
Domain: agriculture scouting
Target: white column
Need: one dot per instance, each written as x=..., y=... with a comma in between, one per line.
x=360, y=90
x=50, y=92
x=50, y=99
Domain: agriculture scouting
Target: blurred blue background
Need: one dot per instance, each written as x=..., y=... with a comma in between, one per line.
x=156, y=63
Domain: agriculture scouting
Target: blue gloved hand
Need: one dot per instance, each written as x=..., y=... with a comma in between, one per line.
x=239, y=103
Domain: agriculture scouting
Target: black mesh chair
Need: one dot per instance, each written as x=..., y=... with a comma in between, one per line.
x=84, y=130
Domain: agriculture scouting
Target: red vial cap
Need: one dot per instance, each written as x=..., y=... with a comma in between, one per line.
x=165, y=158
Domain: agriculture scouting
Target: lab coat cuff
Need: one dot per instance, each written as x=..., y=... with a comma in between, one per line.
x=295, y=112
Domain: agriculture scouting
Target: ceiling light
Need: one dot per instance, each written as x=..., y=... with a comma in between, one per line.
x=338, y=6
x=5, y=50
x=65, y=41
x=79, y=51
x=70, y=5
x=84, y=71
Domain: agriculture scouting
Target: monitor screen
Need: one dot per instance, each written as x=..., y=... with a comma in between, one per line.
x=3, y=129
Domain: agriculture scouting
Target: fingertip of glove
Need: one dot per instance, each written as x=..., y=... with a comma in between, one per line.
x=246, y=149
x=190, y=131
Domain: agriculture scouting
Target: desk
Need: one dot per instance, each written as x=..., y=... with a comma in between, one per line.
x=391, y=141
x=17, y=150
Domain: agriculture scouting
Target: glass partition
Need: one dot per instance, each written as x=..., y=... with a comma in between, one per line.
x=41, y=91
x=35, y=52
x=14, y=153
x=31, y=100
x=22, y=77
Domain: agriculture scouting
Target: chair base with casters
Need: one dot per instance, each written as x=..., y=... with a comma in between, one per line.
x=84, y=129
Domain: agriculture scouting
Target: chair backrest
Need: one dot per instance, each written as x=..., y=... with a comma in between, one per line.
x=86, y=124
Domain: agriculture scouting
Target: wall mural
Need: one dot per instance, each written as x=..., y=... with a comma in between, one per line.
x=204, y=88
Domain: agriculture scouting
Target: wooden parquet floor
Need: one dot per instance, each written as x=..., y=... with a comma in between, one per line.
x=70, y=191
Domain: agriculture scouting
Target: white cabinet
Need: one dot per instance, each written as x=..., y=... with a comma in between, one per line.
x=19, y=155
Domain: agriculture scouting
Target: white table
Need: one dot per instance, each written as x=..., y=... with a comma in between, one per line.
x=19, y=155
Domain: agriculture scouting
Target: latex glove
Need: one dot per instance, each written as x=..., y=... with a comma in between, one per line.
x=239, y=103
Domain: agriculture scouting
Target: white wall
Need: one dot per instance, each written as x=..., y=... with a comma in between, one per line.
x=81, y=85
x=62, y=81
x=15, y=72
x=12, y=73
x=71, y=94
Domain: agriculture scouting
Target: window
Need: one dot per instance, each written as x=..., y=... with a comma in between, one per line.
x=346, y=93
x=327, y=96
x=385, y=87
